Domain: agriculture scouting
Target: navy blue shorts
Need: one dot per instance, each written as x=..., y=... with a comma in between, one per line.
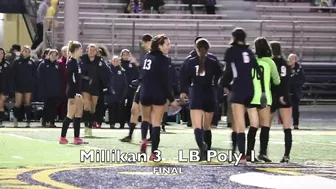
x=92, y=90
x=149, y=101
x=277, y=105
x=240, y=98
x=205, y=101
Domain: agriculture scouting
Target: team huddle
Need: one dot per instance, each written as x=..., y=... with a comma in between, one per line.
x=256, y=82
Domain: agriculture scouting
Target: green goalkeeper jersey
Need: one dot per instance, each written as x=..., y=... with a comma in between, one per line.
x=269, y=70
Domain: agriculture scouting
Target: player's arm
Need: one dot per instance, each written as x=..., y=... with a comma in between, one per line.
x=227, y=75
x=165, y=80
x=274, y=73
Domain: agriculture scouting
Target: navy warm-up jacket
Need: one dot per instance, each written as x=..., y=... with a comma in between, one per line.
x=118, y=85
x=50, y=79
x=24, y=73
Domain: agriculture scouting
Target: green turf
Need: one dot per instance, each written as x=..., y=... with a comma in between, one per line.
x=44, y=150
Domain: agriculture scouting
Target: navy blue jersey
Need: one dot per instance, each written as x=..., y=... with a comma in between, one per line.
x=74, y=76
x=184, y=69
x=155, y=77
x=5, y=77
x=90, y=72
x=132, y=72
x=118, y=82
x=203, y=81
x=285, y=73
x=24, y=73
x=240, y=63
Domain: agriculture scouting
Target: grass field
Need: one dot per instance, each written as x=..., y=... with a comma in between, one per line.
x=23, y=150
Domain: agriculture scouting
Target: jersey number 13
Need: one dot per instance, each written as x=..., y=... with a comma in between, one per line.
x=147, y=64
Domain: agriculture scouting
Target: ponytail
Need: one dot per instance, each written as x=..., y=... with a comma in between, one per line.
x=203, y=47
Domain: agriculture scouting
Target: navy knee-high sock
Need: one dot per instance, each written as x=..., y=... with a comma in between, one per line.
x=234, y=141
x=65, y=126
x=264, y=137
x=144, y=129
x=288, y=141
x=16, y=111
x=155, y=138
x=150, y=130
x=76, y=125
x=241, y=142
x=251, y=139
x=28, y=112
x=131, y=129
x=208, y=138
x=199, y=137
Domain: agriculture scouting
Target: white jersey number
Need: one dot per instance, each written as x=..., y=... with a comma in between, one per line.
x=246, y=57
x=147, y=64
x=283, y=71
x=197, y=71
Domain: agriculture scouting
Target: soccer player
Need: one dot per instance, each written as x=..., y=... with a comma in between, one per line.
x=4, y=83
x=94, y=76
x=282, y=99
x=155, y=91
x=259, y=114
x=50, y=87
x=74, y=90
x=237, y=77
x=24, y=74
x=202, y=76
x=146, y=43
x=132, y=73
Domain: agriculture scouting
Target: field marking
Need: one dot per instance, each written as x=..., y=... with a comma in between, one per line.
x=47, y=141
x=17, y=157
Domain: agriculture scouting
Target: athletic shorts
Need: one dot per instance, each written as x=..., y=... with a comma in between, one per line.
x=92, y=90
x=202, y=101
x=242, y=99
x=277, y=105
x=258, y=106
x=136, y=97
x=149, y=101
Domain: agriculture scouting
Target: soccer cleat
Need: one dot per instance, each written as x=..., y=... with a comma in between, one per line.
x=126, y=139
x=88, y=132
x=98, y=125
x=284, y=159
x=143, y=146
x=296, y=127
x=152, y=157
x=264, y=158
x=249, y=159
x=16, y=123
x=78, y=141
x=63, y=140
x=163, y=128
x=94, y=124
x=243, y=160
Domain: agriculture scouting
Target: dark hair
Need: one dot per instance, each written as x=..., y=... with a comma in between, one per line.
x=203, y=46
x=4, y=52
x=197, y=38
x=262, y=48
x=53, y=51
x=146, y=38
x=157, y=41
x=45, y=53
x=239, y=37
x=73, y=45
x=103, y=51
x=276, y=49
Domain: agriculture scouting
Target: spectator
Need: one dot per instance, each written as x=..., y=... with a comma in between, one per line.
x=157, y=5
x=62, y=105
x=134, y=6
x=210, y=6
x=190, y=5
x=13, y=53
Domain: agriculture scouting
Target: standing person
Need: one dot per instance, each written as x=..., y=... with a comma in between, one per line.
x=74, y=90
x=202, y=74
x=146, y=43
x=14, y=53
x=237, y=77
x=155, y=91
x=50, y=78
x=24, y=74
x=37, y=92
x=115, y=100
x=259, y=115
x=41, y=14
x=296, y=82
x=282, y=100
x=132, y=73
x=4, y=84
x=95, y=78
x=62, y=104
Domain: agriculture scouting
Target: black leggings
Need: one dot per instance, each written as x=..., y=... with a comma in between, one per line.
x=116, y=113
x=50, y=109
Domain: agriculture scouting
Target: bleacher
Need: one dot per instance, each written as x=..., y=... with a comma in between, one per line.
x=308, y=33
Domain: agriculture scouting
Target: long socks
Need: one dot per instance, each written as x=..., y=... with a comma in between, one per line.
x=208, y=138
x=155, y=138
x=288, y=141
x=264, y=137
x=65, y=126
x=251, y=139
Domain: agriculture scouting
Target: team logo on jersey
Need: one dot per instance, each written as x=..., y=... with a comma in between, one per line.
x=119, y=72
x=130, y=65
x=100, y=63
x=79, y=70
x=30, y=62
x=5, y=65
